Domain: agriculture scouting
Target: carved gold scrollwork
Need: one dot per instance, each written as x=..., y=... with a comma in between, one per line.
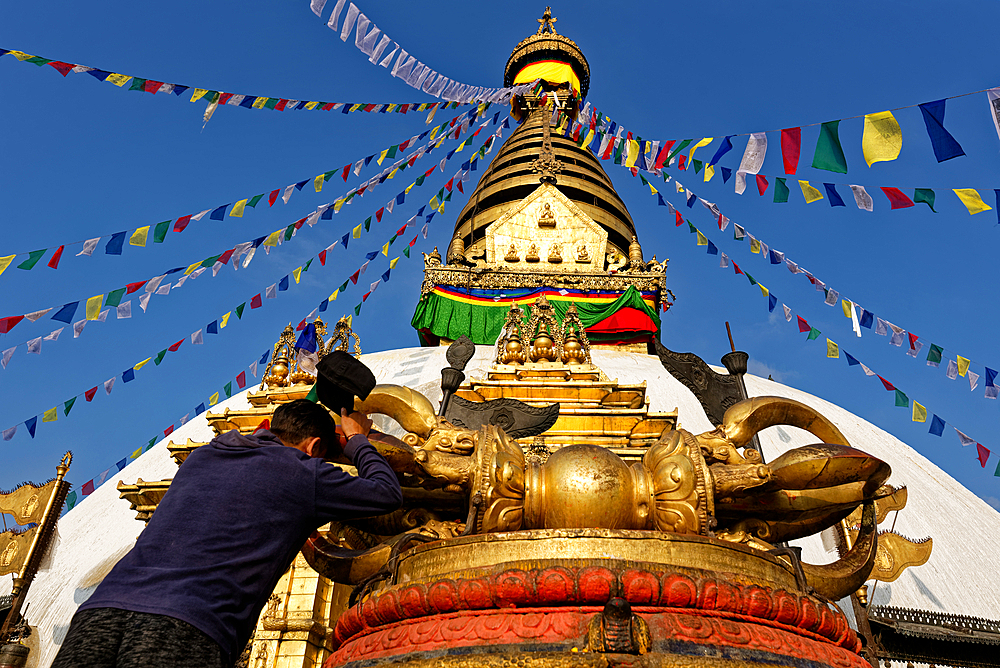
x=679, y=484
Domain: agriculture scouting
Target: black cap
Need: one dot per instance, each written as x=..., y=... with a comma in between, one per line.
x=339, y=378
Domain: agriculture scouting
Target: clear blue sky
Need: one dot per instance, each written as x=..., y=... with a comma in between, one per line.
x=84, y=158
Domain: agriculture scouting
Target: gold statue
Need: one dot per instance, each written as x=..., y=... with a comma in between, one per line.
x=511, y=255
x=456, y=251
x=432, y=259
x=546, y=218
x=635, y=255
x=555, y=253
x=582, y=255
x=532, y=254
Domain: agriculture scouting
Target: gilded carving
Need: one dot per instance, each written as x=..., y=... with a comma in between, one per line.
x=512, y=255
x=555, y=253
x=546, y=218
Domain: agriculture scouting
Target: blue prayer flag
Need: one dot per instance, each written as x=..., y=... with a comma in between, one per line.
x=298, y=186
x=726, y=173
x=944, y=145
x=725, y=148
x=867, y=317
x=263, y=358
x=831, y=192
x=691, y=199
x=937, y=426
x=115, y=244
x=327, y=213
x=990, y=376
x=344, y=239
x=121, y=463
x=213, y=327
x=128, y=376
x=247, y=102
x=712, y=248
x=200, y=409
x=66, y=313
x=371, y=256
x=307, y=339
x=179, y=89
x=772, y=301
x=774, y=257
x=659, y=200
x=323, y=305
x=30, y=424
x=385, y=276
x=283, y=283
x=851, y=361
x=219, y=212
x=401, y=197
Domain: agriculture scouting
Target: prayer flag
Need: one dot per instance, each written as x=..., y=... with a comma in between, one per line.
x=53, y=261
x=888, y=386
x=925, y=195
x=791, y=143
x=94, y=307
x=811, y=194
x=237, y=211
x=829, y=154
x=50, y=415
x=972, y=201
x=897, y=199
x=138, y=238
x=114, y=245
x=780, y=191
x=761, y=184
x=919, y=412
x=803, y=325
x=902, y=401
x=982, y=454
x=937, y=426
x=831, y=192
x=724, y=148
x=862, y=198
x=832, y=349
x=813, y=334
x=882, y=138
x=944, y=145
x=963, y=365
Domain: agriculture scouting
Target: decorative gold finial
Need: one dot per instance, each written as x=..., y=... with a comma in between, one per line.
x=575, y=346
x=510, y=349
x=543, y=328
x=280, y=367
x=342, y=334
x=456, y=251
x=635, y=255
x=547, y=23
x=546, y=162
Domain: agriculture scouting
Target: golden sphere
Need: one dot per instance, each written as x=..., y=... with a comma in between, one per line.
x=280, y=367
x=586, y=486
x=543, y=348
x=572, y=350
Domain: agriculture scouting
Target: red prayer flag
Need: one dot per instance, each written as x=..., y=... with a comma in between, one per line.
x=679, y=217
x=264, y=424
x=152, y=86
x=369, y=107
x=354, y=277
x=8, y=323
x=273, y=196
x=241, y=379
x=181, y=223
x=132, y=287
x=328, y=106
x=459, y=184
x=281, y=104
x=347, y=170
x=89, y=394
x=400, y=230
x=791, y=143
x=169, y=430
x=88, y=488
x=888, y=386
x=761, y=184
x=681, y=160
x=803, y=325
x=664, y=154
x=412, y=160
x=54, y=262
x=430, y=171
x=322, y=258
x=448, y=185
x=299, y=223
x=378, y=215
x=224, y=258
x=365, y=298
x=736, y=269
x=174, y=347
x=413, y=242
x=61, y=67
x=897, y=199
x=302, y=325
x=983, y=454
x=224, y=98
x=255, y=302
x=913, y=340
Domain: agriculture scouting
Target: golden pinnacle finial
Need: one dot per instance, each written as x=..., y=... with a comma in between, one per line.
x=547, y=23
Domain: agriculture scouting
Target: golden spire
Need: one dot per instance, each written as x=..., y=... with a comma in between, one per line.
x=547, y=23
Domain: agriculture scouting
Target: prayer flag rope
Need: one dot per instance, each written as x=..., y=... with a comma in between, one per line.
x=919, y=412
x=141, y=236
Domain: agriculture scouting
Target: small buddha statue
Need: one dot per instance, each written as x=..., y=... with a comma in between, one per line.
x=543, y=348
x=546, y=218
x=555, y=253
x=511, y=255
x=532, y=254
x=582, y=255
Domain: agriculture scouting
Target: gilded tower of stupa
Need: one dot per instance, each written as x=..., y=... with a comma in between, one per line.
x=550, y=517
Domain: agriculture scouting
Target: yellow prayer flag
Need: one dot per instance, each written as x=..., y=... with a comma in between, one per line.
x=963, y=364
x=810, y=193
x=136, y=453
x=50, y=415
x=214, y=399
x=21, y=55
x=633, y=153
x=679, y=187
x=764, y=291
x=434, y=133
x=297, y=274
x=882, y=138
x=441, y=208
x=311, y=105
x=461, y=146
x=5, y=262
x=192, y=267
x=972, y=201
x=260, y=102
x=318, y=182
x=754, y=245
x=94, y=308
x=702, y=241
x=139, y=237
x=237, y=210
x=356, y=232
x=392, y=262
x=919, y=413
x=393, y=172
x=198, y=94
x=354, y=107
x=846, y=306
x=382, y=155
x=272, y=238
x=225, y=320
x=385, y=249
x=392, y=108
x=408, y=188
x=350, y=319
x=337, y=205
x=709, y=173
x=333, y=295
x=704, y=142
x=118, y=79
x=652, y=190
x=832, y=350
x=142, y=363
x=434, y=202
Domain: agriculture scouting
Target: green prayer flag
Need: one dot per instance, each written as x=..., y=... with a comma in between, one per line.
x=228, y=387
x=697, y=166
x=343, y=287
x=151, y=443
x=643, y=179
x=160, y=232
x=680, y=147
x=902, y=400
x=115, y=297
x=68, y=406
x=447, y=198
x=691, y=228
x=392, y=239
x=406, y=251
x=750, y=278
x=33, y=258
x=289, y=231
x=306, y=267
x=271, y=103
x=159, y=357
x=253, y=201
x=813, y=334
x=137, y=84
x=997, y=472
x=327, y=175
x=780, y=191
x=934, y=354
x=392, y=151
x=38, y=60
x=313, y=396
x=210, y=261
x=925, y=195
x=829, y=154
x=239, y=311
x=618, y=152
x=368, y=222
x=420, y=180
x=440, y=194
x=357, y=310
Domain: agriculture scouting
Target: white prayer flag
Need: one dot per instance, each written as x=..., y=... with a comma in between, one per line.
x=897, y=335
x=186, y=415
x=792, y=267
x=915, y=349
x=144, y=301
x=993, y=96
x=35, y=346
x=199, y=216
x=154, y=283
x=832, y=297
x=253, y=369
x=54, y=335
x=868, y=372
x=881, y=326
x=108, y=384
x=740, y=183
x=764, y=249
x=965, y=440
x=854, y=320
x=363, y=269
x=788, y=313
x=724, y=261
x=952, y=371
x=723, y=223
x=9, y=433
x=196, y=338
x=6, y=355
x=753, y=156
x=423, y=230
x=738, y=231
x=88, y=247
x=973, y=379
x=78, y=328
x=374, y=285
x=125, y=310
x=991, y=391
x=288, y=193
x=271, y=292
x=335, y=16
x=862, y=198
x=32, y=317
x=352, y=15
x=103, y=315
x=163, y=289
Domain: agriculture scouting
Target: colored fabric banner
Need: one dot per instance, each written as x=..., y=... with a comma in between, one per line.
x=831, y=192
x=862, y=198
x=919, y=412
x=925, y=195
x=897, y=199
x=882, y=139
x=811, y=194
x=982, y=454
x=832, y=349
x=972, y=201
x=829, y=154
x=780, y=191
x=791, y=145
x=944, y=145
x=902, y=401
